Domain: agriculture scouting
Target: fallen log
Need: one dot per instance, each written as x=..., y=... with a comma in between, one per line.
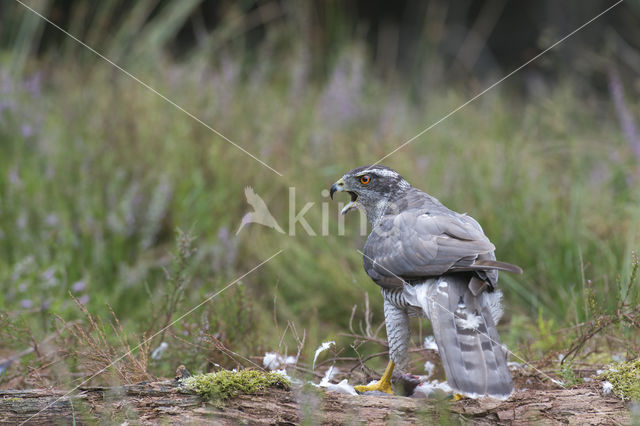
x=167, y=402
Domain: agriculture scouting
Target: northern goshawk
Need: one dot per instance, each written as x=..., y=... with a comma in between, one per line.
x=432, y=262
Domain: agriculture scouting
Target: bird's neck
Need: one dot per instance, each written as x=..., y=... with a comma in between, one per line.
x=389, y=205
x=376, y=211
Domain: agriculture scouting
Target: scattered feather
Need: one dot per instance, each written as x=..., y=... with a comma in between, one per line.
x=328, y=375
x=270, y=360
x=429, y=367
x=430, y=343
x=426, y=389
x=159, y=351
x=558, y=382
x=273, y=361
x=342, y=387
x=283, y=373
x=323, y=347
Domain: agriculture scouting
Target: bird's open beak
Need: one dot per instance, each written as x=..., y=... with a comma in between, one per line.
x=339, y=186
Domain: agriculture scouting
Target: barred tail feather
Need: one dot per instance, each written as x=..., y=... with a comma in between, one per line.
x=465, y=331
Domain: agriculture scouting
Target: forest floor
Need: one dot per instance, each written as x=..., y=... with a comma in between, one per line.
x=535, y=400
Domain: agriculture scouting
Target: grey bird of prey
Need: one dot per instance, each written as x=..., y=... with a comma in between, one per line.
x=432, y=262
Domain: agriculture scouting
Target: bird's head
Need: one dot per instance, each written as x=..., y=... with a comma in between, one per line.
x=370, y=188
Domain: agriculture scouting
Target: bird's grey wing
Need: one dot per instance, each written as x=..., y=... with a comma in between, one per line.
x=468, y=343
x=416, y=244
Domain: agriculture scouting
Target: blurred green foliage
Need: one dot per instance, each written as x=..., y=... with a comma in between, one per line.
x=97, y=173
x=568, y=375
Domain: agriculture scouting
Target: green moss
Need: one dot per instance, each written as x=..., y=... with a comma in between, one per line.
x=625, y=378
x=226, y=384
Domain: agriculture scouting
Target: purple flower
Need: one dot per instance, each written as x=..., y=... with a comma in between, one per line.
x=7, y=104
x=5, y=82
x=26, y=130
x=627, y=123
x=14, y=178
x=340, y=101
x=78, y=286
x=223, y=234
x=22, y=220
x=33, y=85
x=49, y=277
x=225, y=251
x=84, y=299
x=26, y=303
x=51, y=220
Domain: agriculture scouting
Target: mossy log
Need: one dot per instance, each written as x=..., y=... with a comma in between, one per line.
x=166, y=402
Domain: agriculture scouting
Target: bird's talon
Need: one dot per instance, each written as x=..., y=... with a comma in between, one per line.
x=382, y=385
x=379, y=386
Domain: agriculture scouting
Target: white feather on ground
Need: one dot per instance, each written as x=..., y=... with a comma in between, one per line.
x=426, y=389
x=429, y=367
x=342, y=387
x=430, y=343
x=323, y=347
x=159, y=351
x=273, y=361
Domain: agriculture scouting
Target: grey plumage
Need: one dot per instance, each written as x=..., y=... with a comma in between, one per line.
x=433, y=262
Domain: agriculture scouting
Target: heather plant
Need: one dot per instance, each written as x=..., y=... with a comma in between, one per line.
x=97, y=172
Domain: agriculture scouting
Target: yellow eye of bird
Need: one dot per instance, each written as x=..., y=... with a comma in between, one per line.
x=365, y=179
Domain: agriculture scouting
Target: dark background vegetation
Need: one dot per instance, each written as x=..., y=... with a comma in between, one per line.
x=475, y=38
x=97, y=173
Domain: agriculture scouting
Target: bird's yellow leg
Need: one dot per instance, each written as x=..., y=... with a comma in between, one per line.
x=383, y=385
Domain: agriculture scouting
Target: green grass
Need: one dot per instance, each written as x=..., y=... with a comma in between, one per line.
x=97, y=172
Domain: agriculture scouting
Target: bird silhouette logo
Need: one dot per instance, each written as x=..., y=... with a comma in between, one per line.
x=260, y=213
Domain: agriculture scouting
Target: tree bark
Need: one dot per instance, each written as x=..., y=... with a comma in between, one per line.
x=150, y=403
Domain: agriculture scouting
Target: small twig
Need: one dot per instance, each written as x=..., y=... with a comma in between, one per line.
x=275, y=304
x=300, y=343
x=282, y=338
x=231, y=354
x=365, y=338
x=353, y=313
x=367, y=315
